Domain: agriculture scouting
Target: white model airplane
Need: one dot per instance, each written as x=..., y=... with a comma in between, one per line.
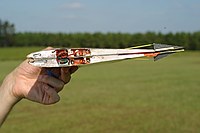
x=64, y=57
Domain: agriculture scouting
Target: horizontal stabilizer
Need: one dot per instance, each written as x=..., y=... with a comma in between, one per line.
x=160, y=56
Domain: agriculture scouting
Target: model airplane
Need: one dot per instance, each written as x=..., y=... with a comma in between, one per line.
x=64, y=57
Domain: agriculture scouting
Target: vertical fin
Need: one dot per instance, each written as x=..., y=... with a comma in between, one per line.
x=158, y=46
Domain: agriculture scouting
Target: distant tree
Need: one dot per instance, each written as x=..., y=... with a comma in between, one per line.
x=7, y=31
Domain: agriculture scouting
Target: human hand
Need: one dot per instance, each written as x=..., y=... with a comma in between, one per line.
x=35, y=84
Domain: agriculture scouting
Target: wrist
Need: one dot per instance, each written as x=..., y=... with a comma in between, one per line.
x=7, y=99
x=6, y=91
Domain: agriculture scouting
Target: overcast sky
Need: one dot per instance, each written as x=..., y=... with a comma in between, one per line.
x=102, y=15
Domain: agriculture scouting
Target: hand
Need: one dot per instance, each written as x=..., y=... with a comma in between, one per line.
x=36, y=85
x=33, y=83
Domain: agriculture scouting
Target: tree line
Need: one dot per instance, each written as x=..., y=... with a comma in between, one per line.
x=190, y=41
x=8, y=37
x=7, y=31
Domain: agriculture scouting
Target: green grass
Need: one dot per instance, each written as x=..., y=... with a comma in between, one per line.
x=123, y=97
x=16, y=53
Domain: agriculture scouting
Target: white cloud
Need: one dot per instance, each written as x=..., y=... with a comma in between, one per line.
x=74, y=5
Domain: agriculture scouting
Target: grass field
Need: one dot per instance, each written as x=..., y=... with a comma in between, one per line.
x=123, y=97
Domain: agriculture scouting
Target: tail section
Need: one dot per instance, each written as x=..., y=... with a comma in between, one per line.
x=165, y=50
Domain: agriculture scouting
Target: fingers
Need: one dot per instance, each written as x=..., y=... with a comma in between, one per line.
x=48, y=84
x=50, y=96
x=48, y=48
x=52, y=78
x=57, y=84
x=65, y=74
x=73, y=69
x=43, y=93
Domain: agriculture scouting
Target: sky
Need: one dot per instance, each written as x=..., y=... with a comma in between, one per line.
x=126, y=16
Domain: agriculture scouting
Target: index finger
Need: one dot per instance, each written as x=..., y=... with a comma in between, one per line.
x=73, y=69
x=65, y=74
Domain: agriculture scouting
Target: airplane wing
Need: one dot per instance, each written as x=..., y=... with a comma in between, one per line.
x=64, y=57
